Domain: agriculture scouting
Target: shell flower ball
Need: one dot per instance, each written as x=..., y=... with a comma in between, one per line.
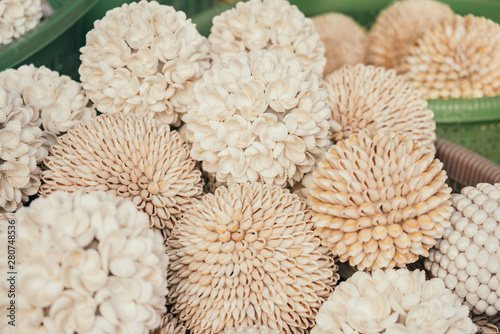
x=468, y=256
x=143, y=58
x=88, y=263
x=380, y=200
x=17, y=17
x=267, y=25
x=250, y=330
x=247, y=255
x=136, y=158
x=393, y=301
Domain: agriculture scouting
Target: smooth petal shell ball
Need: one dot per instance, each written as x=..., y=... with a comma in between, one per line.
x=380, y=201
x=17, y=17
x=250, y=330
x=247, y=255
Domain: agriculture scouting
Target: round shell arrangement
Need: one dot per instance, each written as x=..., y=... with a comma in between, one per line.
x=136, y=158
x=143, y=58
x=267, y=25
x=250, y=330
x=247, y=255
x=380, y=201
x=467, y=258
x=458, y=58
x=393, y=301
x=171, y=325
x=18, y=17
x=258, y=117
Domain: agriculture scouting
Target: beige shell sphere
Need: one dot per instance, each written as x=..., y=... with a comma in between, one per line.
x=17, y=17
x=247, y=255
x=256, y=329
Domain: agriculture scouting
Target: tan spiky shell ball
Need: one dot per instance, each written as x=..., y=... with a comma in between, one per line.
x=250, y=330
x=399, y=26
x=137, y=158
x=170, y=324
x=247, y=255
x=458, y=58
x=380, y=200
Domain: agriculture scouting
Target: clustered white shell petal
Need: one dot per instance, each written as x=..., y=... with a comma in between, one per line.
x=18, y=17
x=267, y=24
x=393, y=301
x=258, y=117
x=170, y=325
x=256, y=329
x=468, y=256
x=380, y=200
x=143, y=58
x=88, y=263
x=247, y=255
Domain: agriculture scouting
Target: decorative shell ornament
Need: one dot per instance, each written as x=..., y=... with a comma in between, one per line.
x=345, y=40
x=258, y=117
x=467, y=258
x=459, y=58
x=17, y=17
x=256, y=329
x=486, y=325
x=136, y=158
x=380, y=201
x=143, y=58
x=88, y=263
x=171, y=325
x=376, y=99
x=247, y=255
x=267, y=25
x=399, y=26
x=393, y=301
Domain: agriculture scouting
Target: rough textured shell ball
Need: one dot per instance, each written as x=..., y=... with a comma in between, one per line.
x=468, y=256
x=399, y=26
x=170, y=325
x=250, y=330
x=247, y=255
x=143, y=58
x=268, y=24
x=258, y=117
x=393, y=301
x=380, y=201
x=18, y=17
x=376, y=99
x=459, y=58
x=137, y=158
x=88, y=263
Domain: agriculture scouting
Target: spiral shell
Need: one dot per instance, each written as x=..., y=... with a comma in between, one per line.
x=17, y=17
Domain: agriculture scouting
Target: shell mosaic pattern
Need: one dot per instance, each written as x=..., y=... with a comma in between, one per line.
x=136, y=158
x=18, y=17
x=247, y=255
x=88, y=263
x=171, y=325
x=467, y=258
x=393, y=301
x=380, y=201
x=456, y=59
x=267, y=25
x=258, y=117
x=250, y=330
x=143, y=58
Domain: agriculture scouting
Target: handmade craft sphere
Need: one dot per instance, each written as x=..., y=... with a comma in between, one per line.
x=17, y=17
x=250, y=330
x=468, y=256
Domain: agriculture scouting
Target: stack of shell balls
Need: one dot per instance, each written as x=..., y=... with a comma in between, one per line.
x=214, y=185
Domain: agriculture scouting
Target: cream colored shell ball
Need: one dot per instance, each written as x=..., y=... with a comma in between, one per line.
x=376, y=99
x=137, y=158
x=247, y=255
x=459, y=58
x=17, y=17
x=468, y=256
x=393, y=301
x=256, y=329
x=399, y=26
x=380, y=200
x=143, y=58
x=88, y=263
x=170, y=324
x=258, y=117
x=267, y=25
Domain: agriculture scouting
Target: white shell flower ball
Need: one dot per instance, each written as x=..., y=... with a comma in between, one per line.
x=258, y=117
x=256, y=329
x=268, y=24
x=247, y=255
x=393, y=301
x=380, y=200
x=17, y=17
x=143, y=58
x=468, y=256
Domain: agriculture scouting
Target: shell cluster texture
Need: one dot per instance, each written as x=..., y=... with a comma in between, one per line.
x=393, y=301
x=467, y=258
x=88, y=263
x=137, y=158
x=256, y=329
x=458, y=58
x=380, y=201
x=18, y=17
x=247, y=255
x=258, y=117
x=376, y=99
x=143, y=58
x=267, y=24
x=170, y=324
